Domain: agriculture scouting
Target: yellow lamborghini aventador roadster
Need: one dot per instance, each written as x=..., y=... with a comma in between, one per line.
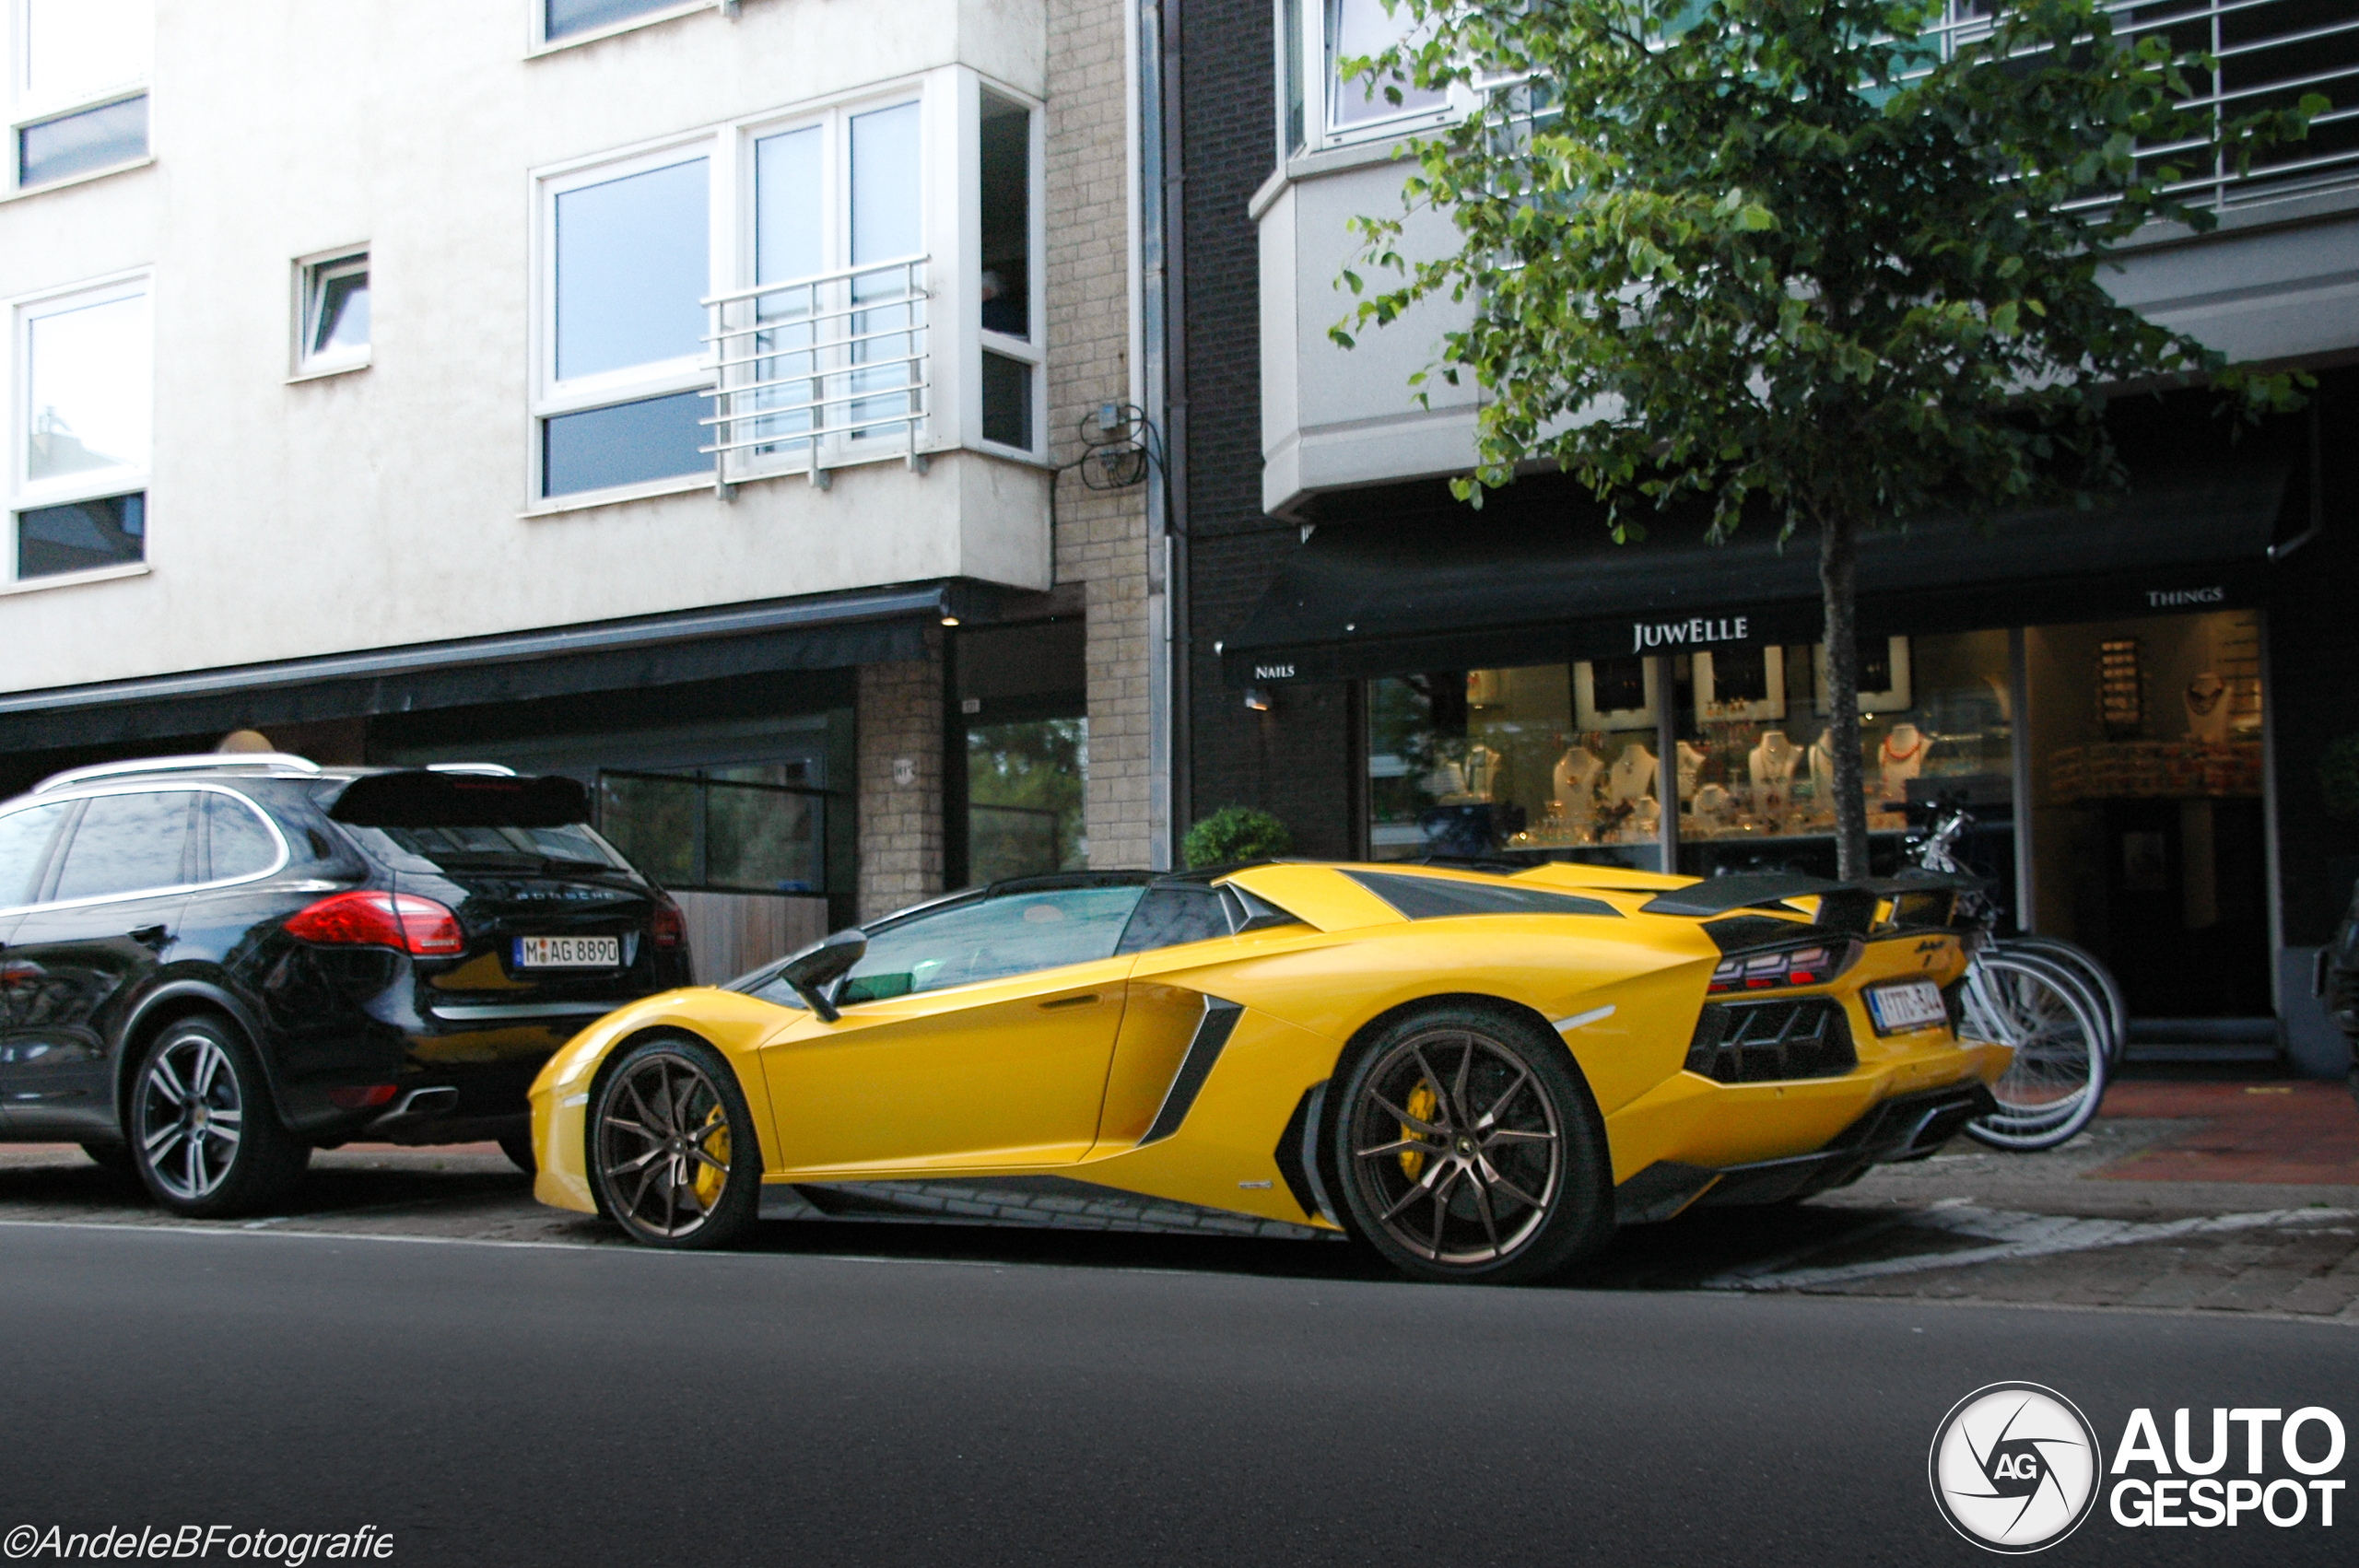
x=1479, y=1073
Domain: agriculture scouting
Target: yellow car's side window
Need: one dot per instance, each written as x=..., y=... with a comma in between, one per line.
x=991, y=939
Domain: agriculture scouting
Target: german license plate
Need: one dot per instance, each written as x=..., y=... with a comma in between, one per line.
x=569, y=952
x=1916, y=1005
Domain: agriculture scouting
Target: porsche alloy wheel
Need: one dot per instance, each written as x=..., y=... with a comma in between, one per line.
x=672, y=1147
x=203, y=1137
x=1468, y=1150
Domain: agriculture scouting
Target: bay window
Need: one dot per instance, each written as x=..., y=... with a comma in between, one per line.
x=790, y=293
x=78, y=88
x=80, y=412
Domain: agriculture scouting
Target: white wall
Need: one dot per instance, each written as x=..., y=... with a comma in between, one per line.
x=381, y=507
x=2274, y=282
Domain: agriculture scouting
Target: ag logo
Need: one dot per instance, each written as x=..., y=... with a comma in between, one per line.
x=2015, y=1467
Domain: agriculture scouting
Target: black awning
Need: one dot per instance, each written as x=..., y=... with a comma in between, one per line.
x=1393, y=595
x=827, y=631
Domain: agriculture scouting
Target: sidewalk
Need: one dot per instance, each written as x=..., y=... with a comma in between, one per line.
x=2234, y=1196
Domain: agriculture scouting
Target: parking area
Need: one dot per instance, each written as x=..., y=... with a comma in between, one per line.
x=2175, y=1198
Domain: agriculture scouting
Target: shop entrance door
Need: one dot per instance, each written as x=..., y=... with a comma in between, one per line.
x=2150, y=836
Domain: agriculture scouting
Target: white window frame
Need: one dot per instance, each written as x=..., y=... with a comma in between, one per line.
x=23, y=495
x=312, y=275
x=25, y=109
x=1309, y=47
x=950, y=170
x=553, y=397
x=1028, y=350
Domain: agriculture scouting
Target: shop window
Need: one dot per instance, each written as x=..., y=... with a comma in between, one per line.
x=1557, y=762
x=1463, y=762
x=726, y=829
x=1022, y=701
x=83, y=424
x=1026, y=780
x=2148, y=825
x=77, y=89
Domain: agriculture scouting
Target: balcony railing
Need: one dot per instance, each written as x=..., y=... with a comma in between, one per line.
x=2268, y=53
x=820, y=373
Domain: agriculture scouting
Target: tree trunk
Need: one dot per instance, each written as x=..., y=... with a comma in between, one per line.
x=1837, y=584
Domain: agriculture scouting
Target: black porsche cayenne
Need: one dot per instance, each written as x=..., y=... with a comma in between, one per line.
x=210, y=965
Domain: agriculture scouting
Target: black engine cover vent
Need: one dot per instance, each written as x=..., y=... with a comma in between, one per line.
x=1766, y=1042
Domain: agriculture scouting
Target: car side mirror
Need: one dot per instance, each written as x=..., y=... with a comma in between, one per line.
x=822, y=964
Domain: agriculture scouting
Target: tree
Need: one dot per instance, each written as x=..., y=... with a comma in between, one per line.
x=1798, y=262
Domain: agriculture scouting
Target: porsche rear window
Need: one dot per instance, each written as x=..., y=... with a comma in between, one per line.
x=1434, y=899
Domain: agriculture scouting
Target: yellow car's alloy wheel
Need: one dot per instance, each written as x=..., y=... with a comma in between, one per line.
x=662, y=1144
x=1456, y=1147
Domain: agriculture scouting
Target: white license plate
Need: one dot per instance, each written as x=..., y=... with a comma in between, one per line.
x=569, y=952
x=1914, y=1005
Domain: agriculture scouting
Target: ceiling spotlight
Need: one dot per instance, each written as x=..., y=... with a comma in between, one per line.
x=949, y=620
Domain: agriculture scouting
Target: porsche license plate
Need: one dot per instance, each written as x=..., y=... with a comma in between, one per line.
x=1917, y=1004
x=569, y=952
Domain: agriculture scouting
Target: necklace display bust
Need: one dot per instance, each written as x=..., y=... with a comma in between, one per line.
x=1632, y=777
x=1770, y=766
x=1573, y=781
x=2207, y=708
x=1902, y=757
x=1691, y=768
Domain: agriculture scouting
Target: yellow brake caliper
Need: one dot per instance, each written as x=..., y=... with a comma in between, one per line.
x=714, y=1140
x=1421, y=1106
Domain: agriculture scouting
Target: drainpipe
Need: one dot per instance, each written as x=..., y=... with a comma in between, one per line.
x=1151, y=71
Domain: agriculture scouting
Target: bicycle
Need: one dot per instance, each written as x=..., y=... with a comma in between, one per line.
x=2051, y=1001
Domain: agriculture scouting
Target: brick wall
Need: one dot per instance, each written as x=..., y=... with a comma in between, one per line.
x=1295, y=761
x=1102, y=540
x=900, y=825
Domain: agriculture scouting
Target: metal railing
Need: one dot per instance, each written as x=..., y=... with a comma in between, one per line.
x=820, y=371
x=2268, y=53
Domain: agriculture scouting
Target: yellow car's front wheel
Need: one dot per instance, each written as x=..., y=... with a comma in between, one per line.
x=672, y=1146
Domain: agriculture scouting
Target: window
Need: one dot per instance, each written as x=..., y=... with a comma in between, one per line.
x=333, y=319
x=78, y=88
x=24, y=849
x=771, y=293
x=80, y=412
x=1011, y=358
x=128, y=844
x=629, y=266
x=989, y=940
x=238, y=843
x=572, y=18
x=1324, y=107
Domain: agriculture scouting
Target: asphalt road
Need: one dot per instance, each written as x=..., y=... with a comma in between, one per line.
x=591, y=1404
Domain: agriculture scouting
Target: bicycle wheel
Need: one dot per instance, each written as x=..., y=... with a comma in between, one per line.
x=2092, y=970
x=2054, y=1084
x=2053, y=1080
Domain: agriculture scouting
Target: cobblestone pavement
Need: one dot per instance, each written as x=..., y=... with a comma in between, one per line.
x=2167, y=1201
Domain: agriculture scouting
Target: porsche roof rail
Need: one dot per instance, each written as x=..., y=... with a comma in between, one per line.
x=487, y=769
x=268, y=762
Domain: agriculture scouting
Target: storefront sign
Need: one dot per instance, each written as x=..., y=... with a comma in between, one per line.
x=1690, y=633
x=2185, y=597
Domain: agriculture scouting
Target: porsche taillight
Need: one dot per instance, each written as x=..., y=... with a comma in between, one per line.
x=404, y=920
x=1780, y=969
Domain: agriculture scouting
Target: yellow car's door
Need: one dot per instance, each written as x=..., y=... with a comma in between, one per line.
x=973, y=1035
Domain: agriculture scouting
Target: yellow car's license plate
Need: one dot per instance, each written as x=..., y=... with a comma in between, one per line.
x=569, y=952
x=1914, y=1004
